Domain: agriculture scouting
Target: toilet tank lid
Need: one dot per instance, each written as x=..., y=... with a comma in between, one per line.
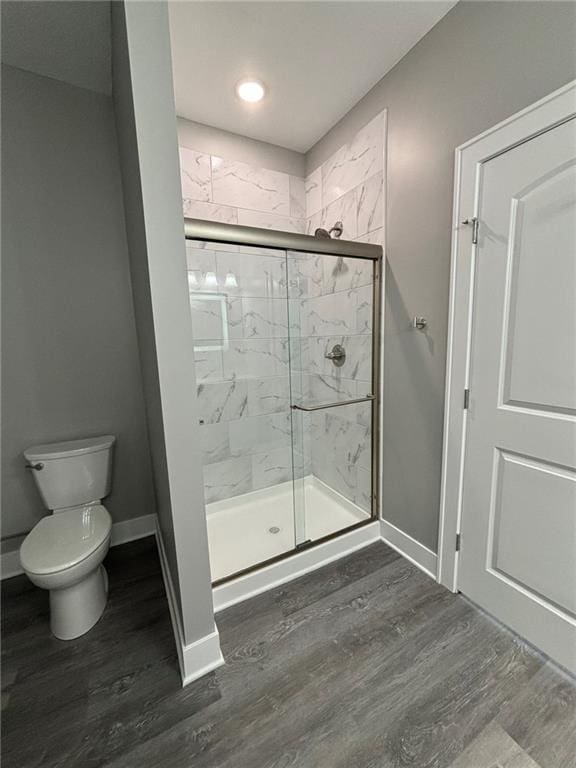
x=69, y=448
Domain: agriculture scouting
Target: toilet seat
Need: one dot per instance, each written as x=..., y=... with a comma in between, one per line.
x=65, y=539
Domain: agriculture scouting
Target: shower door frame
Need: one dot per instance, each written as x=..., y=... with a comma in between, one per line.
x=254, y=237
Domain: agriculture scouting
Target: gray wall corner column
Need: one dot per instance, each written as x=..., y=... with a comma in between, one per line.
x=146, y=125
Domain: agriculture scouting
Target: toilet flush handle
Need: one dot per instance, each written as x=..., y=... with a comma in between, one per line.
x=37, y=467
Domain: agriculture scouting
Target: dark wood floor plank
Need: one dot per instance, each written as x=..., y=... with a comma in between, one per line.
x=494, y=748
x=542, y=718
x=366, y=663
x=352, y=702
x=333, y=577
x=307, y=692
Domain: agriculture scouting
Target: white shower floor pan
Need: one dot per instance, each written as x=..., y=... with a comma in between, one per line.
x=247, y=530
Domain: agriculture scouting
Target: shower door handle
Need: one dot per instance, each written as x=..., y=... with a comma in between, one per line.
x=332, y=405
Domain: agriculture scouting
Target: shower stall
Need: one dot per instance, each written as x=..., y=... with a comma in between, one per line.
x=286, y=343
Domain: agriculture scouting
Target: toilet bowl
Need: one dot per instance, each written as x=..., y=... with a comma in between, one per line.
x=63, y=553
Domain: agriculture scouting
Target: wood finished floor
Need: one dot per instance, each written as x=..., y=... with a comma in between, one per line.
x=366, y=663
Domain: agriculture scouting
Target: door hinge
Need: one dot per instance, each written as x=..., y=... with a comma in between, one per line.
x=458, y=542
x=474, y=223
x=466, y=399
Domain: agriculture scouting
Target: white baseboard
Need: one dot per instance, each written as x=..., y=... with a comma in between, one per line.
x=200, y=657
x=10, y=564
x=300, y=563
x=135, y=528
x=268, y=577
x=412, y=550
x=122, y=532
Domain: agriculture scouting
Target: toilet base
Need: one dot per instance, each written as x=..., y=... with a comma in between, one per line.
x=75, y=610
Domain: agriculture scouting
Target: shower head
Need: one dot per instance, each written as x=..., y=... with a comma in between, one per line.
x=337, y=229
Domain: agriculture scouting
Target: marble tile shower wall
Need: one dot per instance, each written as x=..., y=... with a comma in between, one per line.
x=242, y=367
x=336, y=307
x=239, y=306
x=218, y=189
x=348, y=187
x=241, y=331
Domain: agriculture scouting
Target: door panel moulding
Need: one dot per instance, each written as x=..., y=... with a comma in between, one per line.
x=548, y=113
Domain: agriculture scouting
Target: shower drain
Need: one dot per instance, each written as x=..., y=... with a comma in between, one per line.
x=274, y=529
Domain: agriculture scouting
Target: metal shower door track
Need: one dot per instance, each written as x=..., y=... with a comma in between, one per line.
x=237, y=234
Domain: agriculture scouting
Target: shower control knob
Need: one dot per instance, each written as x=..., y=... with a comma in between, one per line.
x=337, y=355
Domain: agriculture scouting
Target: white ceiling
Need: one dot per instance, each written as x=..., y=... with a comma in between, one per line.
x=66, y=40
x=317, y=59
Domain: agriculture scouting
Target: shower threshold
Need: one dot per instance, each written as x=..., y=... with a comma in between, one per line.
x=252, y=543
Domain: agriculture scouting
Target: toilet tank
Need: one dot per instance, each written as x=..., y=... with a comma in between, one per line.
x=72, y=473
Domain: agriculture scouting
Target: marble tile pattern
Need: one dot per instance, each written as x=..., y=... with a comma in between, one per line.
x=297, y=197
x=339, y=311
x=355, y=162
x=369, y=205
x=239, y=310
x=222, y=189
x=272, y=468
x=344, y=209
x=361, y=211
x=265, y=318
x=264, y=220
x=241, y=352
x=195, y=175
x=374, y=238
x=198, y=209
x=313, y=192
x=245, y=301
x=223, y=401
x=243, y=391
x=335, y=306
x=349, y=187
x=244, y=186
x=345, y=450
x=224, y=479
x=271, y=395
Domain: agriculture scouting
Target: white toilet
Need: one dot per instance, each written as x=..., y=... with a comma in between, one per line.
x=64, y=551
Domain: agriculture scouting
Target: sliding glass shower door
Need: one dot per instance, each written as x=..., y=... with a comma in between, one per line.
x=331, y=308
x=285, y=387
x=239, y=308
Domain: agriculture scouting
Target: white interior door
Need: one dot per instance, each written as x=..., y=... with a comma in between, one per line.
x=518, y=531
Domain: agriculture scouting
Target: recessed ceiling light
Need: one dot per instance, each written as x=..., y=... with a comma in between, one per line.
x=250, y=90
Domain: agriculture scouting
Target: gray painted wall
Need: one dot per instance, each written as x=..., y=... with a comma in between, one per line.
x=70, y=358
x=146, y=124
x=67, y=41
x=481, y=63
x=213, y=141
